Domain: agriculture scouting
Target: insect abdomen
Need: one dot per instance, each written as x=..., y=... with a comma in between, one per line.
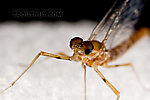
x=125, y=45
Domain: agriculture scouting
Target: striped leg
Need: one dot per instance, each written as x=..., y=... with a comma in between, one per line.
x=132, y=68
x=62, y=54
x=37, y=56
x=117, y=93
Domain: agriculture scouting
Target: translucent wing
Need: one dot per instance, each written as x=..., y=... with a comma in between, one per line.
x=122, y=15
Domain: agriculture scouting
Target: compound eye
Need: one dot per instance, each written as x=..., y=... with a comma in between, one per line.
x=88, y=46
x=75, y=41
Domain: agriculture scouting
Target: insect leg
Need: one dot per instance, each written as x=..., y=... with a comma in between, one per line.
x=84, y=80
x=122, y=65
x=37, y=56
x=133, y=69
x=62, y=54
x=117, y=93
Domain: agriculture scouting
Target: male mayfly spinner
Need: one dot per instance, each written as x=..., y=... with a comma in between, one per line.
x=102, y=46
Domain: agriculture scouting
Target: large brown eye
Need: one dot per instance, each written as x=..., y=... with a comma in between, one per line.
x=74, y=41
x=88, y=46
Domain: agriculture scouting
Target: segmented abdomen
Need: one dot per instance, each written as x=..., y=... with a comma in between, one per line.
x=125, y=45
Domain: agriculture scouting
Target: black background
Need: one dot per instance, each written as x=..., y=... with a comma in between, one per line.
x=72, y=11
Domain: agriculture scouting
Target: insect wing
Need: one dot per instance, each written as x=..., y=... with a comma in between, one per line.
x=119, y=21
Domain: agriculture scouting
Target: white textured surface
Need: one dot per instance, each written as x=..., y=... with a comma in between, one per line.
x=53, y=79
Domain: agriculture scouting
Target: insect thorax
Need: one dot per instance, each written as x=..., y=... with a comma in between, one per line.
x=98, y=56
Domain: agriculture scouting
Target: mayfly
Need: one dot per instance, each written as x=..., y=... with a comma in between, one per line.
x=102, y=47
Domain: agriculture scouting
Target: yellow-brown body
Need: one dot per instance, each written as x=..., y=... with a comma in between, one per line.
x=126, y=44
